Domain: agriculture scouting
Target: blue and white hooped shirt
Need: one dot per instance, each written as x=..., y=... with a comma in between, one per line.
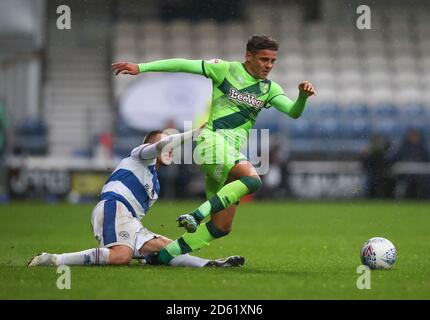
x=134, y=183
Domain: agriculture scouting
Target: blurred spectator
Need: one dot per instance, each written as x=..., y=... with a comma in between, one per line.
x=169, y=125
x=3, y=146
x=379, y=183
x=413, y=149
x=3, y=129
x=190, y=182
x=103, y=152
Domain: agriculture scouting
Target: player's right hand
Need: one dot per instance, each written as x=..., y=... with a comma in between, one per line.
x=125, y=68
x=306, y=89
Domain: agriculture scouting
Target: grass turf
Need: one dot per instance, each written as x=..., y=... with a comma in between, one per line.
x=293, y=250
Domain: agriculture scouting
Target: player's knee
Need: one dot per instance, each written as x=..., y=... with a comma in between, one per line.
x=223, y=230
x=153, y=245
x=164, y=241
x=226, y=230
x=123, y=260
x=253, y=183
x=120, y=256
x=219, y=230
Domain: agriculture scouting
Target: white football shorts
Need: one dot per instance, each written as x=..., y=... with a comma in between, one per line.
x=113, y=224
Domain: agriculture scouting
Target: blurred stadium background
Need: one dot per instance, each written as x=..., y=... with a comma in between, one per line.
x=66, y=120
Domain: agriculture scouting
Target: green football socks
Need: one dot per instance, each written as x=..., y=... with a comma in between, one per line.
x=190, y=242
x=229, y=194
x=207, y=232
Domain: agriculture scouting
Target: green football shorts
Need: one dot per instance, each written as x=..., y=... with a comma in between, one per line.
x=216, y=156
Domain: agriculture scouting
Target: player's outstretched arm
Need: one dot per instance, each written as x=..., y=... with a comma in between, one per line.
x=125, y=68
x=169, y=65
x=152, y=150
x=294, y=108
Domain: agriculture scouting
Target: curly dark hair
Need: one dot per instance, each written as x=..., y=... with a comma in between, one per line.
x=261, y=42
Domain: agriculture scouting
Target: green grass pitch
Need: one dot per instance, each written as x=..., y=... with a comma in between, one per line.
x=293, y=250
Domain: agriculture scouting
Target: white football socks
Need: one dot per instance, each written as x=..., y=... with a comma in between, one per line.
x=100, y=256
x=185, y=260
x=95, y=256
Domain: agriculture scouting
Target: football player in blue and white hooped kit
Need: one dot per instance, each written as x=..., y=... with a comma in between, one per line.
x=126, y=197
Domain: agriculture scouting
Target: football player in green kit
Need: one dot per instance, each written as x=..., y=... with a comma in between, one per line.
x=240, y=92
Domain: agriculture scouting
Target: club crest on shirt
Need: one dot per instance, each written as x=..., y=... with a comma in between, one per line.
x=264, y=87
x=124, y=235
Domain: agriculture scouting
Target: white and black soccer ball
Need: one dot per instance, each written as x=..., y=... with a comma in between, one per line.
x=378, y=253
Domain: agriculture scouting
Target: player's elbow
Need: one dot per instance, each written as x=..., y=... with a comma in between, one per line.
x=295, y=115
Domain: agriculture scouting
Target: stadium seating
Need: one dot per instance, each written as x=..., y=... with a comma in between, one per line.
x=77, y=90
x=31, y=137
x=368, y=81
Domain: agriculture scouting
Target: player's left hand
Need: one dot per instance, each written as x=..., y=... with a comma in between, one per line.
x=125, y=68
x=306, y=89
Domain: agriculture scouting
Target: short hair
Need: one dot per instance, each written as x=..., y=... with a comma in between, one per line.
x=151, y=135
x=261, y=42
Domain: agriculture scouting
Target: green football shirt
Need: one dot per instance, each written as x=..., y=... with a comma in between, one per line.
x=237, y=98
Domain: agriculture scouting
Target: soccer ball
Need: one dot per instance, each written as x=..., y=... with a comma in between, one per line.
x=378, y=253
